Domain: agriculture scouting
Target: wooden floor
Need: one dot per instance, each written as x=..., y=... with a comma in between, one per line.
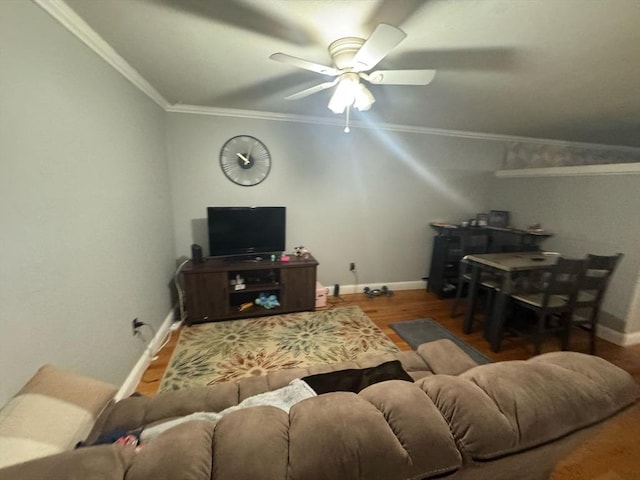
x=412, y=304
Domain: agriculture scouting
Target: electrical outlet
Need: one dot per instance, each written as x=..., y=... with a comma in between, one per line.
x=136, y=324
x=352, y=266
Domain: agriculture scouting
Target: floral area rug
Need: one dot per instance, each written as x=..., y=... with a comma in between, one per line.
x=216, y=352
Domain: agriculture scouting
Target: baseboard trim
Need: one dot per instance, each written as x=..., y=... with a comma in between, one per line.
x=132, y=380
x=619, y=338
x=393, y=286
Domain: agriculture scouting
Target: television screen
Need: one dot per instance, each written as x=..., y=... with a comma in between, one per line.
x=246, y=230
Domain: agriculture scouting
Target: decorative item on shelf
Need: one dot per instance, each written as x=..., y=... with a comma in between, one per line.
x=301, y=252
x=284, y=257
x=245, y=306
x=536, y=228
x=481, y=220
x=498, y=218
x=267, y=301
x=237, y=283
x=196, y=254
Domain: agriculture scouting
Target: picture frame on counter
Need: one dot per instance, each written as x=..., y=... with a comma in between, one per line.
x=498, y=218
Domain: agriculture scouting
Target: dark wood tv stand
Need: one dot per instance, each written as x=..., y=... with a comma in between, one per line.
x=212, y=293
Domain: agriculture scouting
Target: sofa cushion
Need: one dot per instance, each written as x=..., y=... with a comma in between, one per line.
x=252, y=444
x=54, y=411
x=182, y=452
x=445, y=357
x=474, y=418
x=508, y=407
x=389, y=430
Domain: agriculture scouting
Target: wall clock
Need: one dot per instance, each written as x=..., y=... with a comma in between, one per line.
x=245, y=160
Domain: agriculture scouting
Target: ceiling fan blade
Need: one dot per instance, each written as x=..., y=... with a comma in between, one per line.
x=300, y=63
x=400, y=77
x=383, y=39
x=394, y=12
x=244, y=16
x=312, y=90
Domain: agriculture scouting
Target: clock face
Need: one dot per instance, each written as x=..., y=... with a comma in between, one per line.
x=245, y=160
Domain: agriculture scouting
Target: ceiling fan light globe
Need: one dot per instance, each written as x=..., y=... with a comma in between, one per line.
x=338, y=103
x=345, y=93
x=336, y=107
x=363, y=98
x=363, y=108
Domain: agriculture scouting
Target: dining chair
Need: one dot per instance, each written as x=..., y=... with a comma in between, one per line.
x=553, y=302
x=469, y=246
x=591, y=292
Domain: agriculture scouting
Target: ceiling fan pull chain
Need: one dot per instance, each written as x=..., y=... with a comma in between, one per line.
x=346, y=127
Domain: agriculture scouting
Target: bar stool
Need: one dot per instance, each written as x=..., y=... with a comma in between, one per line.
x=488, y=282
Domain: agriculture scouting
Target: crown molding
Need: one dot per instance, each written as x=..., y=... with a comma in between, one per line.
x=256, y=115
x=59, y=10
x=339, y=121
x=573, y=171
x=77, y=26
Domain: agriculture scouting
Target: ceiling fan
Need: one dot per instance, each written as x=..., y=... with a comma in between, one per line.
x=353, y=58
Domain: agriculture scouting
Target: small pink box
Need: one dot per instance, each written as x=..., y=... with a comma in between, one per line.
x=321, y=295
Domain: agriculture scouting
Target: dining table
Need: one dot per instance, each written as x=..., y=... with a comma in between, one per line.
x=507, y=267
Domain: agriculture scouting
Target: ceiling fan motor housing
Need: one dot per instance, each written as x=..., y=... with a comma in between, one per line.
x=343, y=50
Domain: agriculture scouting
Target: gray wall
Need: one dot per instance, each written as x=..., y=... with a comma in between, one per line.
x=587, y=214
x=368, y=197
x=365, y=197
x=86, y=234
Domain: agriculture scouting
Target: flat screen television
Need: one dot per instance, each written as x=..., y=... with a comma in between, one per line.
x=246, y=231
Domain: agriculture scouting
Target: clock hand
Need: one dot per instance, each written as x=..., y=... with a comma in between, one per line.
x=243, y=158
x=250, y=149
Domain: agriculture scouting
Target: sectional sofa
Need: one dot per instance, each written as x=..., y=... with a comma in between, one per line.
x=450, y=419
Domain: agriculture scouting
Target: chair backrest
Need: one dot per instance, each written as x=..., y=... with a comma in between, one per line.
x=603, y=263
x=565, y=278
x=596, y=279
x=471, y=244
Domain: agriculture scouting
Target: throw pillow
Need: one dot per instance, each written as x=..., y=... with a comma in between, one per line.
x=354, y=379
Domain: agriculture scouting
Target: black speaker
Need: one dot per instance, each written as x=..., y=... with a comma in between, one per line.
x=336, y=290
x=196, y=253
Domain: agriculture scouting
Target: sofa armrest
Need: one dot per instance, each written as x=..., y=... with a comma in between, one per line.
x=445, y=358
x=52, y=412
x=105, y=462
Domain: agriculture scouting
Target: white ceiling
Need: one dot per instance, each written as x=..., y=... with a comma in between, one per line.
x=551, y=69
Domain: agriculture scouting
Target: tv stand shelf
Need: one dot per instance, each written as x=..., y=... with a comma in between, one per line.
x=212, y=293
